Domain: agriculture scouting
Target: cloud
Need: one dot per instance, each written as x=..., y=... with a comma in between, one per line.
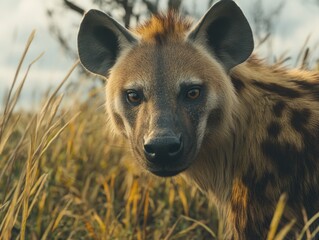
x=18, y=18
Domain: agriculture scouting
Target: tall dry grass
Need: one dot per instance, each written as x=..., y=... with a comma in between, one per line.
x=63, y=176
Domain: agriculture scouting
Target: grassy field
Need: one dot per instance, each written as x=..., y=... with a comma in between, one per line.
x=64, y=176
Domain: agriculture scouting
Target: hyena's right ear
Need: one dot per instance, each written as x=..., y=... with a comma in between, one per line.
x=225, y=32
x=100, y=39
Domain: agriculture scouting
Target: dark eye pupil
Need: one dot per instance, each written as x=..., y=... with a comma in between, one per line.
x=193, y=93
x=133, y=97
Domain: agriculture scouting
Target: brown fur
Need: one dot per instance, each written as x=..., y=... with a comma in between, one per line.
x=265, y=179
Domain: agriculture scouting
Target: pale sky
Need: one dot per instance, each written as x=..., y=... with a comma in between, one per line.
x=298, y=19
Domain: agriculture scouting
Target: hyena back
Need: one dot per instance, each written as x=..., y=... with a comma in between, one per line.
x=191, y=100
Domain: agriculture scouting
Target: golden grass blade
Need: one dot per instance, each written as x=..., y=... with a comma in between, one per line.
x=10, y=105
x=86, y=186
x=277, y=216
x=53, y=106
x=183, y=199
x=15, y=153
x=8, y=220
x=285, y=230
x=54, y=109
x=61, y=214
x=47, y=231
x=3, y=206
x=100, y=222
x=44, y=138
x=39, y=186
x=183, y=233
x=109, y=201
x=314, y=233
x=305, y=219
x=146, y=208
x=41, y=206
x=307, y=225
x=17, y=93
x=6, y=134
x=25, y=194
x=58, y=133
x=211, y=232
x=171, y=197
x=29, y=41
x=50, y=99
x=170, y=232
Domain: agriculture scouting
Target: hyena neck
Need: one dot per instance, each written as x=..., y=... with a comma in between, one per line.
x=262, y=94
x=273, y=117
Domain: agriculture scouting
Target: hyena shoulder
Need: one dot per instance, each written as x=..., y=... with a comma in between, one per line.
x=279, y=147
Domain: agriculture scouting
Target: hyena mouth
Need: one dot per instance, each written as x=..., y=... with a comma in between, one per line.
x=167, y=173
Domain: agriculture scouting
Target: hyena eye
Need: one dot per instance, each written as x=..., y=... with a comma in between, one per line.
x=133, y=97
x=193, y=93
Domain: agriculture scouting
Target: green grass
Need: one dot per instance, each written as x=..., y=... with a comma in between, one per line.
x=64, y=176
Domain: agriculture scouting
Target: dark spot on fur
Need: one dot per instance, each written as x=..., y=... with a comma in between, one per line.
x=299, y=118
x=283, y=155
x=274, y=129
x=278, y=108
x=306, y=85
x=215, y=117
x=257, y=187
x=310, y=87
x=238, y=84
x=291, y=161
x=277, y=89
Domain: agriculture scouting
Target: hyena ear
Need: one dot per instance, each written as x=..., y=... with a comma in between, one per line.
x=226, y=32
x=100, y=39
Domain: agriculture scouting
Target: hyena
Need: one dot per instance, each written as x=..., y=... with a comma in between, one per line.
x=191, y=100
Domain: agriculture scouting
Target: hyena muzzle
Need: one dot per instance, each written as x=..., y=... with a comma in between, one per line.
x=191, y=100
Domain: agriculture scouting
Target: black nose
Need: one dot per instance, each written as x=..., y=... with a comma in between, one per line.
x=163, y=149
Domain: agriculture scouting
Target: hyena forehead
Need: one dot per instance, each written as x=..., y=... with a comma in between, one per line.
x=182, y=81
x=171, y=65
x=188, y=81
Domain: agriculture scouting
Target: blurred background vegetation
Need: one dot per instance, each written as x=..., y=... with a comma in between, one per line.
x=63, y=175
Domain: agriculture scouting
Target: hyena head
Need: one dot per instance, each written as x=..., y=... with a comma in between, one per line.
x=168, y=84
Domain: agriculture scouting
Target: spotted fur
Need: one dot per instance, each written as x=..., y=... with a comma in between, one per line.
x=250, y=136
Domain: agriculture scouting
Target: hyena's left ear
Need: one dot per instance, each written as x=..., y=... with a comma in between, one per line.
x=225, y=31
x=100, y=40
